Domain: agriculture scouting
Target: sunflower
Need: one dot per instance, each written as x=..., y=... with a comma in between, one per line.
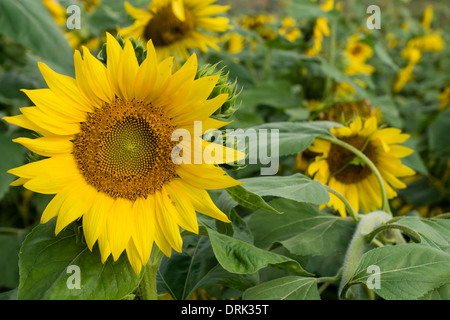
x=340, y=169
x=107, y=136
x=175, y=26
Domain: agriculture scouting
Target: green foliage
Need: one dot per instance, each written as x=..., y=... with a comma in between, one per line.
x=281, y=243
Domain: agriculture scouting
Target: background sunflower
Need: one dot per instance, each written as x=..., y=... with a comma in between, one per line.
x=177, y=26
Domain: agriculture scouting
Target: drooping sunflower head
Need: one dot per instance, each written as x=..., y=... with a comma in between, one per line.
x=108, y=139
x=175, y=26
x=342, y=171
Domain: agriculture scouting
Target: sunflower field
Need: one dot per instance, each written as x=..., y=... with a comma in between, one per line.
x=224, y=150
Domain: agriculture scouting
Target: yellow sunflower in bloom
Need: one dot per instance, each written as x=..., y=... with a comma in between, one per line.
x=107, y=136
x=340, y=169
x=175, y=26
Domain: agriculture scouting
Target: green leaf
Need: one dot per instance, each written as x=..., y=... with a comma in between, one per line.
x=29, y=23
x=435, y=232
x=438, y=137
x=441, y=293
x=243, y=258
x=196, y=266
x=296, y=187
x=302, y=229
x=274, y=93
x=43, y=265
x=249, y=199
x=15, y=158
x=384, y=57
x=407, y=271
x=9, y=264
x=287, y=288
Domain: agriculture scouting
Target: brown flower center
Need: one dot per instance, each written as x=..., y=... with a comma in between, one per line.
x=342, y=161
x=124, y=149
x=165, y=28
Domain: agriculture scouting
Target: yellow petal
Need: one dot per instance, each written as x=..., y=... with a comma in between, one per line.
x=167, y=225
x=204, y=111
x=201, y=200
x=103, y=245
x=178, y=9
x=55, y=204
x=147, y=74
x=65, y=88
x=119, y=226
x=83, y=81
x=180, y=207
x=46, y=146
x=114, y=53
x=206, y=176
x=22, y=121
x=77, y=203
x=94, y=220
x=144, y=227
x=133, y=257
x=95, y=71
x=50, y=123
x=127, y=70
x=137, y=13
x=50, y=103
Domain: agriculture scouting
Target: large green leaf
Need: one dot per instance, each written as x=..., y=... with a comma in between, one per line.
x=45, y=262
x=29, y=23
x=9, y=264
x=249, y=199
x=438, y=138
x=196, y=266
x=293, y=137
x=296, y=187
x=435, y=232
x=287, y=288
x=240, y=257
x=301, y=229
x=407, y=271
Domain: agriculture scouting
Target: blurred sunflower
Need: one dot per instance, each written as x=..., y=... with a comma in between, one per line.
x=108, y=138
x=289, y=30
x=444, y=98
x=342, y=171
x=57, y=11
x=357, y=53
x=175, y=26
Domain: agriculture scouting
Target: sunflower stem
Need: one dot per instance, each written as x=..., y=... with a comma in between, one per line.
x=347, y=204
x=148, y=282
x=384, y=199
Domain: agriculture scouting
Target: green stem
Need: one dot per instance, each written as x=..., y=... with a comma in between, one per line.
x=384, y=199
x=347, y=204
x=358, y=247
x=148, y=281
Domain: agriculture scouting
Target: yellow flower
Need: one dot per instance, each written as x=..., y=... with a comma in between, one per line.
x=444, y=98
x=107, y=136
x=404, y=76
x=357, y=53
x=432, y=42
x=340, y=169
x=427, y=17
x=175, y=26
x=321, y=29
x=235, y=42
x=259, y=24
x=288, y=29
